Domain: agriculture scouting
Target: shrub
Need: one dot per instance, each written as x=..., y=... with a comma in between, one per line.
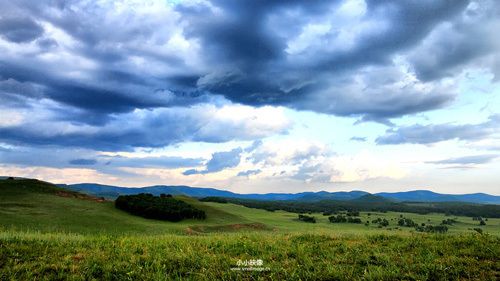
x=307, y=218
x=353, y=214
x=432, y=229
x=448, y=221
x=353, y=220
x=381, y=222
x=407, y=222
x=341, y=219
x=337, y=219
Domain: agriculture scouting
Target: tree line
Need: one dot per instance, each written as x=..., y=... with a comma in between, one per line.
x=334, y=206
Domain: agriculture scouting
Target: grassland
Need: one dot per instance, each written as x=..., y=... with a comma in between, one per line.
x=48, y=235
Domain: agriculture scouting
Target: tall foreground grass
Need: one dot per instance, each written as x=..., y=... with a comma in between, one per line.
x=45, y=256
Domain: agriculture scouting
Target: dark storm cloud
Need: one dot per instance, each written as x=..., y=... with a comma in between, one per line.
x=219, y=161
x=472, y=159
x=19, y=29
x=99, y=63
x=243, y=39
x=426, y=134
x=459, y=42
x=145, y=128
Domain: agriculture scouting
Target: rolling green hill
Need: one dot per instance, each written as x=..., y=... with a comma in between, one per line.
x=35, y=205
x=48, y=233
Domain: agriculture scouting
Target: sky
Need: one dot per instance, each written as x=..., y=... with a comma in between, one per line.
x=253, y=96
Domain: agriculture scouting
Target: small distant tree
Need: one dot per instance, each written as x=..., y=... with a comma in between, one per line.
x=306, y=218
x=448, y=221
x=353, y=220
x=478, y=230
x=482, y=222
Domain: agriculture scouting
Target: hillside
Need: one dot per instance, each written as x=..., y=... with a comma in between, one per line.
x=27, y=204
x=39, y=206
x=111, y=192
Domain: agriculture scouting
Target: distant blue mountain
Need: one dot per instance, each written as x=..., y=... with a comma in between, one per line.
x=109, y=191
x=429, y=196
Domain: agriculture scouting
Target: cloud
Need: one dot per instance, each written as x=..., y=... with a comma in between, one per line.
x=219, y=162
x=465, y=160
x=83, y=162
x=360, y=139
x=149, y=128
x=468, y=41
x=66, y=157
x=248, y=173
x=426, y=134
x=19, y=29
x=347, y=58
x=305, y=64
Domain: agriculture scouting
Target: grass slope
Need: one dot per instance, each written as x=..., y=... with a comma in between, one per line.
x=38, y=206
x=35, y=205
x=30, y=256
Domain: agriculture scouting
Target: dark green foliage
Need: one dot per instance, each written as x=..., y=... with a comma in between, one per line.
x=307, y=218
x=343, y=219
x=432, y=228
x=214, y=199
x=337, y=219
x=407, y=222
x=353, y=214
x=161, y=208
x=333, y=206
x=381, y=222
x=353, y=220
x=482, y=222
x=478, y=230
x=449, y=221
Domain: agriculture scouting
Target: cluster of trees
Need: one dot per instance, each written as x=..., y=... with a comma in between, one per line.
x=448, y=221
x=341, y=219
x=432, y=228
x=164, y=207
x=407, y=222
x=381, y=222
x=307, y=218
x=334, y=206
x=480, y=219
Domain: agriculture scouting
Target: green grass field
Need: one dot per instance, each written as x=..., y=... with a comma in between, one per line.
x=49, y=235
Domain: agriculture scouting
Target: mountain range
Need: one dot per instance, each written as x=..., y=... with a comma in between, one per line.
x=109, y=191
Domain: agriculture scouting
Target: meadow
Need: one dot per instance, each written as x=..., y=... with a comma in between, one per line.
x=46, y=235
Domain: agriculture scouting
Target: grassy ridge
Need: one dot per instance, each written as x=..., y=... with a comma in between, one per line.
x=29, y=205
x=29, y=256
